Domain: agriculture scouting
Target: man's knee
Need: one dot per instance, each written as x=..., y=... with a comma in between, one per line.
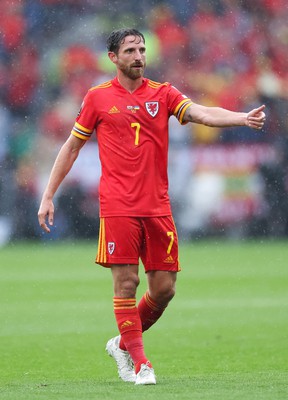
x=127, y=287
x=126, y=281
x=164, y=294
x=162, y=287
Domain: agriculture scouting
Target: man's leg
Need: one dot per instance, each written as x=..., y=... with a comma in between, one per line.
x=161, y=290
x=126, y=280
x=160, y=258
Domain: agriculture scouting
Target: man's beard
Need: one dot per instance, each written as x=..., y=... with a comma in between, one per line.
x=132, y=72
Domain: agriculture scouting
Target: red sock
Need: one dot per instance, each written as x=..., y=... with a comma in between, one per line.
x=149, y=311
x=129, y=325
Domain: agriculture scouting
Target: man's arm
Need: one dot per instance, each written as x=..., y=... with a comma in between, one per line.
x=220, y=117
x=63, y=164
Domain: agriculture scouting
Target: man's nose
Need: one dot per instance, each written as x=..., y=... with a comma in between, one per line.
x=138, y=55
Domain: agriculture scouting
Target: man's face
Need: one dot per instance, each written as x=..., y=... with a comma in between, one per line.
x=131, y=57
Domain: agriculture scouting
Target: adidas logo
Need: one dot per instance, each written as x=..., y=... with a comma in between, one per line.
x=169, y=259
x=113, y=110
x=126, y=324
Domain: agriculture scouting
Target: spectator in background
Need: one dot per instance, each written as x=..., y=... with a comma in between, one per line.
x=253, y=38
x=23, y=80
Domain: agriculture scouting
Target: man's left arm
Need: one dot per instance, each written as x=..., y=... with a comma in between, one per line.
x=221, y=117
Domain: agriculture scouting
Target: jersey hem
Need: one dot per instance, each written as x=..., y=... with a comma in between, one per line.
x=136, y=215
x=163, y=267
x=119, y=261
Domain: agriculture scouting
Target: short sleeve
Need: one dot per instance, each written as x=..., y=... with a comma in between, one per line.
x=178, y=103
x=86, y=119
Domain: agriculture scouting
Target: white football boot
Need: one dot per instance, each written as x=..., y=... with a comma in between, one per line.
x=123, y=360
x=145, y=376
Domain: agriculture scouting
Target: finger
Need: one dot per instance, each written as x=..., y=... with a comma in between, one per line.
x=257, y=112
x=256, y=119
x=51, y=218
x=261, y=108
x=256, y=125
x=45, y=228
x=41, y=218
x=42, y=223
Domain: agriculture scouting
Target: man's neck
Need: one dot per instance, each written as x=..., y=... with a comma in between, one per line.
x=130, y=84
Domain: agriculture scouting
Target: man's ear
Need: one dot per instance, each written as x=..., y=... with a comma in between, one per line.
x=112, y=56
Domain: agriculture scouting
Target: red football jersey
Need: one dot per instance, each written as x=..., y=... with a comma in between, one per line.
x=132, y=134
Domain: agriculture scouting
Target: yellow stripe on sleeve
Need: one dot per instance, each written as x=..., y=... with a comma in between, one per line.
x=82, y=128
x=77, y=134
x=180, y=105
x=181, y=108
x=181, y=116
x=81, y=132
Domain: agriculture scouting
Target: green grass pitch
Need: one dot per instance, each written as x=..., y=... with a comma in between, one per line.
x=224, y=336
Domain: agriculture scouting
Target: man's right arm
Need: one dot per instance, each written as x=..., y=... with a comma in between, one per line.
x=63, y=164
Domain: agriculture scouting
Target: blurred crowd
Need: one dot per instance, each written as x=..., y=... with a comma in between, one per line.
x=227, y=53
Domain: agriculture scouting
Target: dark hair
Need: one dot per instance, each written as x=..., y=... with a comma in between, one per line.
x=117, y=37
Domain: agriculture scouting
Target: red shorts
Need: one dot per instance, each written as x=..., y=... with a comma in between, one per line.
x=125, y=240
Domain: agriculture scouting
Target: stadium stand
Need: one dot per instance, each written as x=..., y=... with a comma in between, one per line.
x=226, y=53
